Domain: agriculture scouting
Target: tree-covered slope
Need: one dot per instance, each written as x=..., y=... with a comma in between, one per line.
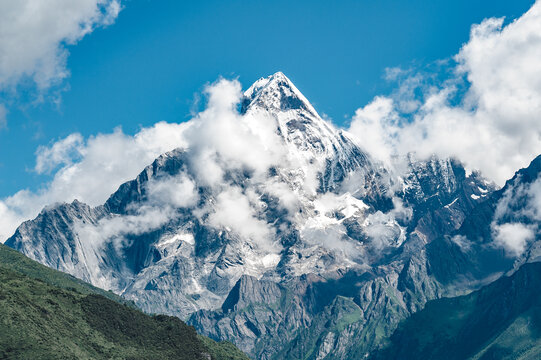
x=45, y=314
x=499, y=321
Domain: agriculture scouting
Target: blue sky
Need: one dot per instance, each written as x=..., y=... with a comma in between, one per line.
x=153, y=62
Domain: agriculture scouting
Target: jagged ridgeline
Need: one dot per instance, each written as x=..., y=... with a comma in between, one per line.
x=46, y=314
x=314, y=250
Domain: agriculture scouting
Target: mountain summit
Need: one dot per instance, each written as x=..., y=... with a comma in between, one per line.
x=318, y=254
x=308, y=137
x=276, y=92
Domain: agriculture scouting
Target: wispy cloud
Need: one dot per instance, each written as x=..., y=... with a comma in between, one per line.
x=34, y=40
x=218, y=141
x=492, y=124
x=517, y=216
x=88, y=169
x=34, y=35
x=513, y=237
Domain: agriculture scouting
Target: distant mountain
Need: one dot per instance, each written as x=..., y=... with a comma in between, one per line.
x=499, y=321
x=46, y=314
x=317, y=255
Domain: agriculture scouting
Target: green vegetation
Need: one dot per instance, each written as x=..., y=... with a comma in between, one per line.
x=14, y=260
x=45, y=314
x=499, y=321
x=347, y=318
x=223, y=350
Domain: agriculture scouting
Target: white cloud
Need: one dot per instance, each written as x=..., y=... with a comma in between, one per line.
x=113, y=230
x=333, y=237
x=221, y=139
x=147, y=218
x=374, y=127
x=63, y=152
x=513, y=237
x=107, y=160
x=462, y=242
x=517, y=216
x=383, y=229
x=534, y=206
x=287, y=198
x=89, y=170
x=496, y=128
x=218, y=140
x=522, y=201
x=34, y=35
x=234, y=211
x=177, y=191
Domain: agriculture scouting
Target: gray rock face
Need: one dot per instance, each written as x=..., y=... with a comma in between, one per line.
x=52, y=239
x=337, y=249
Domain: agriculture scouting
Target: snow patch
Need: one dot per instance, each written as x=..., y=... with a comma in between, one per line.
x=451, y=203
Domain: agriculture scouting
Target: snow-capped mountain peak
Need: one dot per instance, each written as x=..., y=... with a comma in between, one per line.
x=313, y=144
x=276, y=92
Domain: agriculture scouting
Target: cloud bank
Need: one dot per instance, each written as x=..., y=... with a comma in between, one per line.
x=34, y=40
x=88, y=169
x=34, y=36
x=517, y=216
x=513, y=237
x=219, y=142
x=493, y=125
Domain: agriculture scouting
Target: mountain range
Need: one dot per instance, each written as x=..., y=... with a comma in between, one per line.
x=292, y=241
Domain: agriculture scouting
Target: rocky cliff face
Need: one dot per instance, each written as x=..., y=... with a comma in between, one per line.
x=318, y=255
